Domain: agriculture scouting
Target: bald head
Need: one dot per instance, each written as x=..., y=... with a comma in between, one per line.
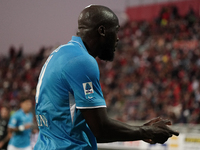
x=98, y=27
x=94, y=16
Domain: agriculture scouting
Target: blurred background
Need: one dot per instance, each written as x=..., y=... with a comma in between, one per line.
x=155, y=72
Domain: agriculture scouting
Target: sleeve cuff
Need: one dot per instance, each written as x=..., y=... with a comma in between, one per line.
x=91, y=107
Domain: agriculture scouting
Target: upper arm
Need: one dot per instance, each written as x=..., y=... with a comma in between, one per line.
x=82, y=74
x=13, y=122
x=96, y=119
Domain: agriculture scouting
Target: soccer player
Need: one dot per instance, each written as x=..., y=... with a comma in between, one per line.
x=20, y=126
x=4, y=136
x=70, y=107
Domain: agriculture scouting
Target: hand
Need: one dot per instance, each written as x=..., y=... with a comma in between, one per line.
x=153, y=121
x=150, y=141
x=28, y=126
x=163, y=125
x=160, y=132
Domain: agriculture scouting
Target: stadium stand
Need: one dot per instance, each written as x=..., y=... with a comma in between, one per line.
x=155, y=71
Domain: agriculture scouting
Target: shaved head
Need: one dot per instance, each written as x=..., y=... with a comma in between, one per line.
x=98, y=27
x=95, y=15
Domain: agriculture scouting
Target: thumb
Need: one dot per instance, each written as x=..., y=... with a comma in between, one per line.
x=167, y=122
x=153, y=121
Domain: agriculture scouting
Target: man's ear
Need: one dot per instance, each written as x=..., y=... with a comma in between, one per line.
x=102, y=30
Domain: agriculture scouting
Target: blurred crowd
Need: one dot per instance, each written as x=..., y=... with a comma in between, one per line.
x=156, y=70
x=18, y=76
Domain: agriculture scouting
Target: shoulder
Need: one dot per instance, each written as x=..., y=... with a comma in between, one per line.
x=17, y=113
x=83, y=64
x=67, y=49
x=70, y=52
x=87, y=59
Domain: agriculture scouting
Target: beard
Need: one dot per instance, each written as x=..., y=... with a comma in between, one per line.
x=106, y=52
x=107, y=55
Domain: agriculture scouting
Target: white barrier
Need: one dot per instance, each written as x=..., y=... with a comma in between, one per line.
x=182, y=142
x=189, y=139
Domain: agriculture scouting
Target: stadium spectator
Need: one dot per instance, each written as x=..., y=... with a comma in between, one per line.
x=4, y=136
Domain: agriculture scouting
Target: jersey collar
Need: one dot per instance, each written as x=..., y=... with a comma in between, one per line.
x=78, y=40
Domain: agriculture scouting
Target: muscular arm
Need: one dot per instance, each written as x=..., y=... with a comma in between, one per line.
x=106, y=129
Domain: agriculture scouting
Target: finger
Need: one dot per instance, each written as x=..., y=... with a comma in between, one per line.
x=156, y=119
x=173, y=131
x=153, y=121
x=167, y=134
x=167, y=122
x=161, y=140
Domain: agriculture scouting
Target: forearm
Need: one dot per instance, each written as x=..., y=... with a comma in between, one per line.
x=13, y=129
x=106, y=129
x=115, y=130
x=20, y=128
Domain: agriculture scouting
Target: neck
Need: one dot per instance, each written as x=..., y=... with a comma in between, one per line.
x=89, y=41
x=90, y=49
x=24, y=111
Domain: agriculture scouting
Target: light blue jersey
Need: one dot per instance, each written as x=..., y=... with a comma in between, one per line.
x=20, y=139
x=68, y=82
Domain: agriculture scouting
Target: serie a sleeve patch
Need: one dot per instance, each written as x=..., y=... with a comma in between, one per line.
x=88, y=90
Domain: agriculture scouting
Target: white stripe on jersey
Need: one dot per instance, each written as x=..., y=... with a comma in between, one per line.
x=72, y=105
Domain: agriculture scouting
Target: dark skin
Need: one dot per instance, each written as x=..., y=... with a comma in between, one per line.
x=98, y=27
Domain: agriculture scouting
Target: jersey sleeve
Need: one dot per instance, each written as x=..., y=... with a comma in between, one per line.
x=13, y=122
x=82, y=74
